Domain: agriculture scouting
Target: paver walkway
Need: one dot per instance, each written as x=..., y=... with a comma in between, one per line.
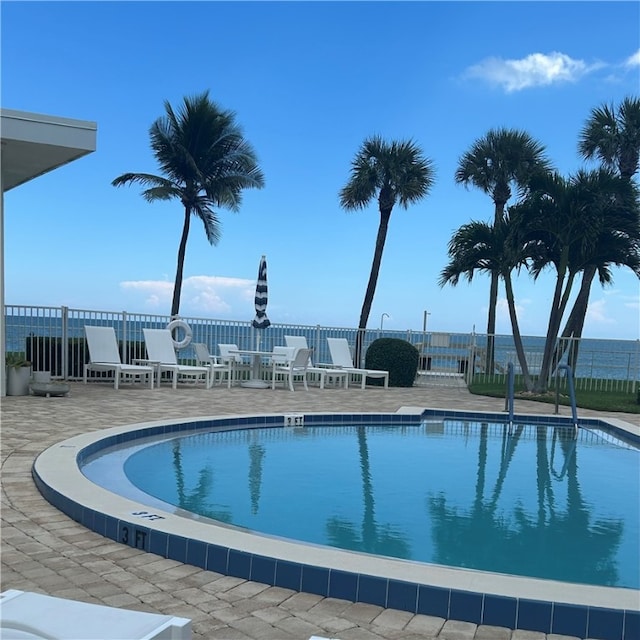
x=47, y=552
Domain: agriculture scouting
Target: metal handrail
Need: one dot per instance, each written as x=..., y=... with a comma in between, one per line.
x=509, y=399
x=572, y=392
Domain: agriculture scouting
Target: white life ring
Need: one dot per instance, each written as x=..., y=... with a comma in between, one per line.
x=188, y=334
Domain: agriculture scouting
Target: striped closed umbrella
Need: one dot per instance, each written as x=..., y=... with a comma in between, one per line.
x=261, y=321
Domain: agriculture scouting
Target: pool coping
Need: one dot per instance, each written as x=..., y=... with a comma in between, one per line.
x=473, y=596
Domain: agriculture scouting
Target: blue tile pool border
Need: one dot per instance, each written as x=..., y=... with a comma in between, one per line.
x=581, y=621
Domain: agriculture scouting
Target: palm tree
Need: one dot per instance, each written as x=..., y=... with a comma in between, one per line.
x=562, y=220
x=205, y=162
x=500, y=161
x=616, y=242
x=397, y=172
x=497, y=248
x=612, y=136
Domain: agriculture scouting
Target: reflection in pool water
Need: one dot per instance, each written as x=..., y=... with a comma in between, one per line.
x=529, y=501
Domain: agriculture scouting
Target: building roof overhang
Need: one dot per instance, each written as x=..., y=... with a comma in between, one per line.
x=33, y=144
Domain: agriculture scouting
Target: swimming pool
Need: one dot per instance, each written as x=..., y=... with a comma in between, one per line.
x=476, y=596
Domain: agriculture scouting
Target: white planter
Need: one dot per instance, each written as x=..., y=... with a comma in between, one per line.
x=43, y=377
x=18, y=379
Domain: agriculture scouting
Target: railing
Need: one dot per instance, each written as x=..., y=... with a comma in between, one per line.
x=53, y=338
x=572, y=393
x=509, y=396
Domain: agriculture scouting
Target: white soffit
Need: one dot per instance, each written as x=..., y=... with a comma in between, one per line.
x=33, y=144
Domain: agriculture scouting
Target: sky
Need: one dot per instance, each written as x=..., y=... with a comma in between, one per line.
x=308, y=82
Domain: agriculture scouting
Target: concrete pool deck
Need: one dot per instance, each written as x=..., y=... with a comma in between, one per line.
x=45, y=551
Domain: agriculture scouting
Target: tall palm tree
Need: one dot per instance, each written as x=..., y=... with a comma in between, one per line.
x=616, y=242
x=503, y=160
x=562, y=225
x=397, y=172
x=497, y=248
x=611, y=135
x=205, y=162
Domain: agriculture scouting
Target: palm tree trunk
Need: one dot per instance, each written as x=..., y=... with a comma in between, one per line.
x=177, y=287
x=491, y=324
x=385, y=215
x=575, y=323
x=558, y=306
x=515, y=328
x=500, y=202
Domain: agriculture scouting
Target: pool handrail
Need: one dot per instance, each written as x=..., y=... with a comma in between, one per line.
x=511, y=377
x=572, y=392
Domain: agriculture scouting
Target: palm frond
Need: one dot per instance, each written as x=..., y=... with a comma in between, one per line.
x=502, y=160
x=396, y=171
x=612, y=136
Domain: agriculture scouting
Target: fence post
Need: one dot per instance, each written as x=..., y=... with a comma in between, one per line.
x=316, y=342
x=65, y=341
x=471, y=359
x=125, y=344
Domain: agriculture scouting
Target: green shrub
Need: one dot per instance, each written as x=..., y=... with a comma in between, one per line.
x=16, y=359
x=398, y=357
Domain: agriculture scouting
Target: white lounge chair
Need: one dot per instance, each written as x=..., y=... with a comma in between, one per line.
x=205, y=359
x=300, y=342
x=233, y=361
x=105, y=356
x=34, y=616
x=341, y=359
x=283, y=364
x=161, y=353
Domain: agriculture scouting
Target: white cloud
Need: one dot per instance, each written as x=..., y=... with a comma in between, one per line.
x=633, y=60
x=597, y=313
x=503, y=320
x=212, y=295
x=157, y=292
x=535, y=70
x=633, y=304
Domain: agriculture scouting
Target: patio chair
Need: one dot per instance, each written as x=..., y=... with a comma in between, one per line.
x=105, y=356
x=290, y=367
x=205, y=359
x=26, y=614
x=161, y=353
x=233, y=361
x=341, y=359
x=324, y=372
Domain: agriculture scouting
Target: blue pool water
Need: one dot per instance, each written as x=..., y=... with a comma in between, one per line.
x=535, y=502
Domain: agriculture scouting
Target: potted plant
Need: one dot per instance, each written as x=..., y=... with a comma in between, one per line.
x=18, y=374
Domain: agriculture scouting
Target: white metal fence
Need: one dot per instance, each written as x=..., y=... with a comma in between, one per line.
x=52, y=338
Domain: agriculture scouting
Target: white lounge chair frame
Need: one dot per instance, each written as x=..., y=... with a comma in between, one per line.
x=300, y=342
x=105, y=356
x=283, y=364
x=205, y=359
x=341, y=359
x=233, y=361
x=162, y=355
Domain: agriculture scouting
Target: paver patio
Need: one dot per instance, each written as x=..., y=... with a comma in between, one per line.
x=47, y=552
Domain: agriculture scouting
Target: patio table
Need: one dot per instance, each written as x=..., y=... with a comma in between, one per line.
x=256, y=381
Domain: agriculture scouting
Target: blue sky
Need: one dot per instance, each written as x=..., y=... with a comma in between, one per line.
x=308, y=83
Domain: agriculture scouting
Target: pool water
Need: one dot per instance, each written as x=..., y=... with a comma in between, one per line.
x=532, y=500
